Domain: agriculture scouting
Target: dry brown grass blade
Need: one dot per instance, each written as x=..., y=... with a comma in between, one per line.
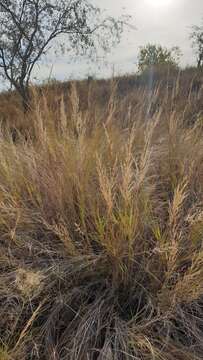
x=101, y=203
x=28, y=325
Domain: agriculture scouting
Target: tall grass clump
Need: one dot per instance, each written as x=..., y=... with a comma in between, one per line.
x=101, y=223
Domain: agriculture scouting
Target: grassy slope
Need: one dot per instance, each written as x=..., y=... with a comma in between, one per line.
x=101, y=223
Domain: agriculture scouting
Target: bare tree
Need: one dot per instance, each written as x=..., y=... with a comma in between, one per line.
x=196, y=36
x=29, y=27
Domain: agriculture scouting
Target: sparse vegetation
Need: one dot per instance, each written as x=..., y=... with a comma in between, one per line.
x=101, y=222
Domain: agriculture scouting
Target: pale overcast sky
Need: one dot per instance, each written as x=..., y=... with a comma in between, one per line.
x=165, y=22
x=159, y=21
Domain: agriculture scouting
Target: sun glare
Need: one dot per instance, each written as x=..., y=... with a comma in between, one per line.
x=159, y=3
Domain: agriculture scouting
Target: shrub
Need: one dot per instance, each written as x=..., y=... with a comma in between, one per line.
x=158, y=56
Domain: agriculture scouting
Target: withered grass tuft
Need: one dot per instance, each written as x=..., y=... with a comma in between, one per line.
x=101, y=224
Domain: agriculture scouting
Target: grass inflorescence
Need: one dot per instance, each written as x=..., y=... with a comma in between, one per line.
x=101, y=224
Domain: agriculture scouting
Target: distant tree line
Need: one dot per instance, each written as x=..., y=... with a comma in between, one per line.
x=28, y=29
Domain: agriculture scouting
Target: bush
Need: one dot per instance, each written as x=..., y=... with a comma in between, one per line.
x=151, y=56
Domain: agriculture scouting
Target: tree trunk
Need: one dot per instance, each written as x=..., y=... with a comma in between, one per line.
x=200, y=61
x=25, y=96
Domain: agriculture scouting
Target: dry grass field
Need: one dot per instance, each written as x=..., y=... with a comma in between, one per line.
x=101, y=221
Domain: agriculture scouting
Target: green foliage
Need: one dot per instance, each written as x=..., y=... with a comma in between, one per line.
x=29, y=27
x=157, y=55
x=196, y=36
